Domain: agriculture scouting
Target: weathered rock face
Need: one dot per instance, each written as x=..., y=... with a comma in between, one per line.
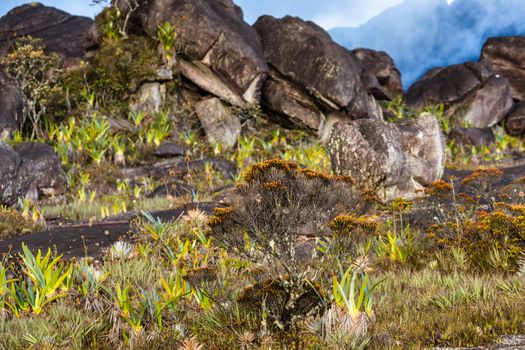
x=394, y=159
x=312, y=76
x=61, y=32
x=382, y=66
x=515, y=122
x=507, y=56
x=472, y=136
x=16, y=175
x=220, y=125
x=473, y=94
x=221, y=53
x=291, y=107
x=11, y=106
x=48, y=176
x=423, y=141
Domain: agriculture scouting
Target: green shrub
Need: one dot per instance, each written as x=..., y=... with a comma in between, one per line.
x=37, y=74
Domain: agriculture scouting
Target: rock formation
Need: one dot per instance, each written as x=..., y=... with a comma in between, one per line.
x=312, y=77
x=383, y=67
x=507, y=56
x=472, y=93
x=219, y=52
x=61, y=33
x=395, y=160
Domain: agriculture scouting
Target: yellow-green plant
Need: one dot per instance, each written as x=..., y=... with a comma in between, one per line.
x=158, y=130
x=130, y=311
x=166, y=35
x=4, y=286
x=154, y=227
x=353, y=291
x=47, y=279
x=396, y=247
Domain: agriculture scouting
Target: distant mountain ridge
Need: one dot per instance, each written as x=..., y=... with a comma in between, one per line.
x=421, y=34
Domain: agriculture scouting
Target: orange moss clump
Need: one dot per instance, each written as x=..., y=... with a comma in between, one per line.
x=502, y=230
x=256, y=170
x=293, y=169
x=219, y=214
x=482, y=173
x=347, y=224
x=439, y=188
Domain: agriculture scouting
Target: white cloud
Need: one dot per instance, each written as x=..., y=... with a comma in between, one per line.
x=351, y=13
x=328, y=13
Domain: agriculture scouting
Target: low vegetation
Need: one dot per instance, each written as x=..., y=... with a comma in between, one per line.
x=301, y=259
x=293, y=263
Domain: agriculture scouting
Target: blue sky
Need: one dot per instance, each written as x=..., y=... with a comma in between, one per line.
x=328, y=13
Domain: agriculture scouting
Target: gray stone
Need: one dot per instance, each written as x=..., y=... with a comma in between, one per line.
x=304, y=55
x=484, y=107
x=149, y=98
x=395, y=160
x=311, y=77
x=220, y=125
x=164, y=74
x=289, y=106
x=120, y=125
x=423, y=141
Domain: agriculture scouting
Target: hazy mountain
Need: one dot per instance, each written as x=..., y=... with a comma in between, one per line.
x=421, y=34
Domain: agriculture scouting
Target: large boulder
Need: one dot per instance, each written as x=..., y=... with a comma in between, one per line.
x=515, y=122
x=219, y=52
x=16, y=175
x=507, y=56
x=11, y=106
x=395, y=160
x=383, y=67
x=61, y=32
x=472, y=93
x=312, y=76
x=48, y=176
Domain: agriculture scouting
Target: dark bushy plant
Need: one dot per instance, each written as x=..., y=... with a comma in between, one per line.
x=279, y=203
